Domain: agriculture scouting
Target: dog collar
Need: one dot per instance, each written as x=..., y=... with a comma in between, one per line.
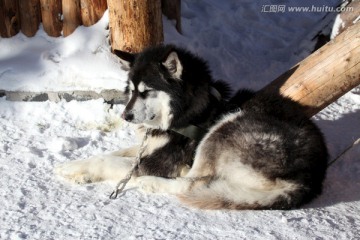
x=195, y=132
x=192, y=132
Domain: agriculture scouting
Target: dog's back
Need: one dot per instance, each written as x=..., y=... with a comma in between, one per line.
x=269, y=155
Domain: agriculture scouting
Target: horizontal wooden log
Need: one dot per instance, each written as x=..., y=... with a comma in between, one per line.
x=51, y=11
x=325, y=75
x=9, y=18
x=30, y=16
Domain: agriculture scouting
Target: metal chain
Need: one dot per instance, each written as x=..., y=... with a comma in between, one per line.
x=344, y=152
x=122, y=183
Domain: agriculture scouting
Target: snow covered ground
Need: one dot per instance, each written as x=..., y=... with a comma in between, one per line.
x=244, y=46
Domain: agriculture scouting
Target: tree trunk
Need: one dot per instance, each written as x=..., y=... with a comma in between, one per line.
x=325, y=75
x=135, y=24
x=9, y=18
x=30, y=16
x=51, y=11
x=172, y=10
x=72, y=16
x=92, y=11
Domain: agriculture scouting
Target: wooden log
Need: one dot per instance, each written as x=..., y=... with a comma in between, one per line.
x=92, y=11
x=172, y=10
x=325, y=75
x=30, y=16
x=71, y=16
x=3, y=32
x=135, y=24
x=51, y=11
x=9, y=18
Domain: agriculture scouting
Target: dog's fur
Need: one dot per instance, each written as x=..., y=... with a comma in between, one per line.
x=260, y=152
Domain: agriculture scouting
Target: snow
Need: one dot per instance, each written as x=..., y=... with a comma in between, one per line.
x=244, y=46
x=338, y=25
x=81, y=61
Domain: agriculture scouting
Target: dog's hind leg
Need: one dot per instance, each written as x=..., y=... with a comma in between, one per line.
x=94, y=169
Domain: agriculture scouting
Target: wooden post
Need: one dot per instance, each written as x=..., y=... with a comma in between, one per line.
x=172, y=10
x=3, y=32
x=51, y=11
x=9, y=18
x=325, y=75
x=29, y=16
x=92, y=11
x=135, y=24
x=72, y=16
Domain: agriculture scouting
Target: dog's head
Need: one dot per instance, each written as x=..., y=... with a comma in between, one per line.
x=162, y=87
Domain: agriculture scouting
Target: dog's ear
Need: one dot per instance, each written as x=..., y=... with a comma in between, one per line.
x=126, y=58
x=173, y=65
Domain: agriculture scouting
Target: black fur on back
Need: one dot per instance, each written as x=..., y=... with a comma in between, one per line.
x=305, y=154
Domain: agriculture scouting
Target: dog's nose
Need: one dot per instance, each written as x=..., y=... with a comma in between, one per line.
x=127, y=116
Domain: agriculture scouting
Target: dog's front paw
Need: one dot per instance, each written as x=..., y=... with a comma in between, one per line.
x=75, y=171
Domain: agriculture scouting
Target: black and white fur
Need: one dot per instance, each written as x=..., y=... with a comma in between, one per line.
x=260, y=152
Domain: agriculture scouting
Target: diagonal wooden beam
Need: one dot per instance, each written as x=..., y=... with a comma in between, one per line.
x=325, y=75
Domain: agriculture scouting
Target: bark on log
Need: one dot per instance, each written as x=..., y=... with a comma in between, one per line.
x=325, y=75
x=51, y=11
x=30, y=16
x=3, y=32
x=135, y=24
x=72, y=16
x=172, y=10
x=9, y=18
x=92, y=11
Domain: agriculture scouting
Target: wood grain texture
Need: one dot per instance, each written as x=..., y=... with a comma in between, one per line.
x=9, y=18
x=51, y=11
x=325, y=75
x=30, y=16
x=71, y=16
x=92, y=11
x=135, y=24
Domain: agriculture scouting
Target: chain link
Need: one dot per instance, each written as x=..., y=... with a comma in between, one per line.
x=122, y=183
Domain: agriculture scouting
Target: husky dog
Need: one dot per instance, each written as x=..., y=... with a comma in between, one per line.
x=253, y=151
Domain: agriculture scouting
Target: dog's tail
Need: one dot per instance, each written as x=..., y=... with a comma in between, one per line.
x=209, y=200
